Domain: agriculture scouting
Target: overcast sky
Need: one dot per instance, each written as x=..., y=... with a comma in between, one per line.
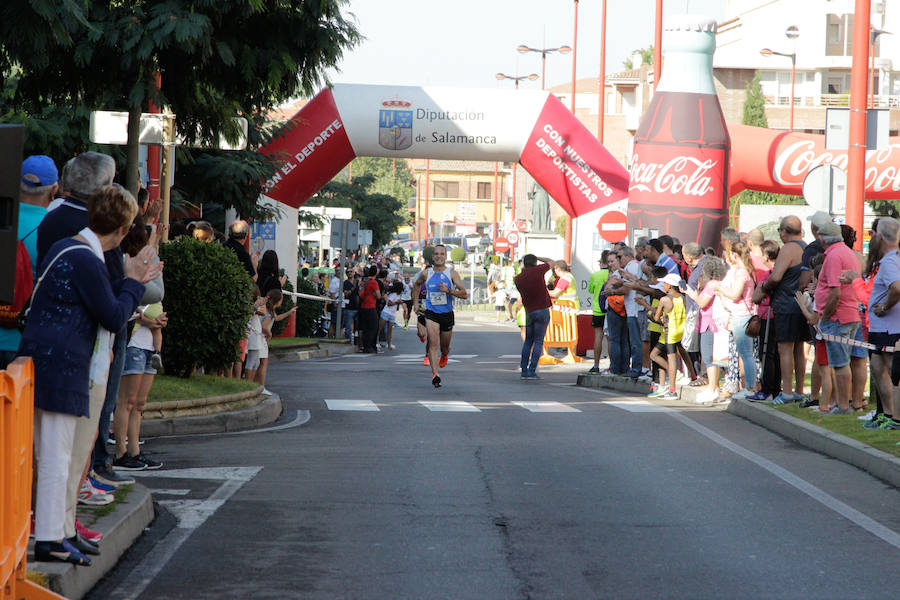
x=463, y=43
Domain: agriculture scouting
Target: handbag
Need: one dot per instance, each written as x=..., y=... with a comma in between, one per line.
x=753, y=326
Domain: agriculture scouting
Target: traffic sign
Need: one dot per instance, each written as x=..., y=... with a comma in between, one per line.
x=501, y=244
x=513, y=238
x=613, y=226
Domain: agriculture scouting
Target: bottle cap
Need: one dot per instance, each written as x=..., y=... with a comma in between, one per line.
x=690, y=23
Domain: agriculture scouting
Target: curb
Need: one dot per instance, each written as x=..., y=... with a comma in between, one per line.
x=263, y=413
x=299, y=352
x=880, y=464
x=120, y=529
x=622, y=384
x=201, y=406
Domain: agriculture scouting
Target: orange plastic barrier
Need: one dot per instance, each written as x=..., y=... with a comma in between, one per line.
x=16, y=441
x=562, y=333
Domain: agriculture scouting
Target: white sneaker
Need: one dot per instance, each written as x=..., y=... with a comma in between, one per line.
x=706, y=397
x=266, y=392
x=866, y=417
x=91, y=496
x=392, y=347
x=742, y=394
x=683, y=379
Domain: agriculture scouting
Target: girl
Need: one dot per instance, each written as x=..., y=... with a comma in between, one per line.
x=254, y=335
x=273, y=300
x=500, y=297
x=389, y=312
x=712, y=270
x=671, y=312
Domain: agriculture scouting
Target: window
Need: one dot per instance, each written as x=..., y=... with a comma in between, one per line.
x=446, y=189
x=484, y=190
x=834, y=35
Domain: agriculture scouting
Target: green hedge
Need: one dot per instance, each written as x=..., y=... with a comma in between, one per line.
x=208, y=301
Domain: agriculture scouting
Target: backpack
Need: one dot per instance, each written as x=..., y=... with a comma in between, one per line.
x=24, y=284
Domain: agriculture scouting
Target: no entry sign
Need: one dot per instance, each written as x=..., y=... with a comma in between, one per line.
x=613, y=226
x=501, y=244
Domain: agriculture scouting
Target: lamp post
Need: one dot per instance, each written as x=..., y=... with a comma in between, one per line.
x=793, y=57
x=873, y=38
x=523, y=49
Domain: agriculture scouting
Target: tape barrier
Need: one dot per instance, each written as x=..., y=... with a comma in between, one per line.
x=827, y=337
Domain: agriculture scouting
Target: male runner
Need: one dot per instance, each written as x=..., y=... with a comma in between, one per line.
x=441, y=284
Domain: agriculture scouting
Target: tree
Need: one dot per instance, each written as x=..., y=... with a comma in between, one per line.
x=392, y=177
x=646, y=58
x=216, y=58
x=754, y=114
x=378, y=212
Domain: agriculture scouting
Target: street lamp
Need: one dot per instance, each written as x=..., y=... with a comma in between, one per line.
x=873, y=37
x=523, y=49
x=517, y=79
x=793, y=57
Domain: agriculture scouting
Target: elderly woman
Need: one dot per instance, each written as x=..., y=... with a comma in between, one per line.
x=73, y=309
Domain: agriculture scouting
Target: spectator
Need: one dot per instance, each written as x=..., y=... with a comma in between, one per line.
x=351, y=305
x=859, y=373
x=335, y=295
x=368, y=315
x=694, y=258
x=616, y=318
x=709, y=273
x=500, y=295
x=632, y=273
x=656, y=257
x=254, y=335
x=565, y=288
x=389, y=312
x=274, y=299
x=201, y=231
x=73, y=296
x=665, y=354
x=791, y=329
x=729, y=237
x=595, y=286
x=770, y=378
x=268, y=274
x=237, y=234
x=533, y=291
x=36, y=189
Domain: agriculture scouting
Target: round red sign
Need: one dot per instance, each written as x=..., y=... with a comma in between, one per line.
x=513, y=238
x=501, y=244
x=613, y=226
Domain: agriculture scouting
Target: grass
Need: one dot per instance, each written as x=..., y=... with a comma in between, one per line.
x=120, y=494
x=291, y=341
x=166, y=387
x=847, y=425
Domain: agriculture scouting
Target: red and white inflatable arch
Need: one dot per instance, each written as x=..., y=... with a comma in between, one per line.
x=533, y=128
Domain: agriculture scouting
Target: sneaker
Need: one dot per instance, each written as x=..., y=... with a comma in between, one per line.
x=875, y=422
x=889, y=425
x=669, y=395
x=88, y=534
x=868, y=416
x=61, y=551
x=781, y=399
x=436, y=381
x=809, y=402
x=800, y=398
x=524, y=375
x=443, y=362
x=742, y=394
x=405, y=326
x=266, y=392
x=156, y=361
x=837, y=410
x=533, y=375
x=683, y=380
x=91, y=497
x=427, y=362
x=595, y=370
x=659, y=391
x=129, y=463
x=759, y=396
x=99, y=485
x=392, y=347
x=109, y=477
x=706, y=397
x=149, y=462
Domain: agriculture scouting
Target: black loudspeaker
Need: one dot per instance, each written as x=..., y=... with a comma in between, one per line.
x=11, y=140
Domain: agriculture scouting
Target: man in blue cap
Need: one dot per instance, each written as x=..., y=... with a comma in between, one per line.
x=37, y=188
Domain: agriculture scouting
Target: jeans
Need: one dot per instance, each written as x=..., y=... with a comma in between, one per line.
x=634, y=343
x=101, y=458
x=536, y=323
x=348, y=317
x=745, y=349
x=618, y=343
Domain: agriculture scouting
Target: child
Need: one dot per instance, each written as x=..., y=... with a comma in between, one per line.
x=500, y=295
x=254, y=334
x=152, y=312
x=274, y=299
x=654, y=327
x=519, y=309
x=389, y=312
x=671, y=312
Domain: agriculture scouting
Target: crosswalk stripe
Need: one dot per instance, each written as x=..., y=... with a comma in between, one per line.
x=448, y=406
x=362, y=405
x=548, y=406
x=510, y=356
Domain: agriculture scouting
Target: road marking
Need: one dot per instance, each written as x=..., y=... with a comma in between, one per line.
x=510, y=356
x=548, y=406
x=497, y=362
x=168, y=492
x=190, y=514
x=363, y=405
x=448, y=406
x=637, y=406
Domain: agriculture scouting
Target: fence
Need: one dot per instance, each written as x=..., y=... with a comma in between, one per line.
x=562, y=333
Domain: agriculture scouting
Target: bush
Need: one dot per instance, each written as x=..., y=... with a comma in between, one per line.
x=458, y=255
x=208, y=301
x=287, y=304
x=308, y=311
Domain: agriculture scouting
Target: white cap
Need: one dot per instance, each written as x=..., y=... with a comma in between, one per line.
x=672, y=279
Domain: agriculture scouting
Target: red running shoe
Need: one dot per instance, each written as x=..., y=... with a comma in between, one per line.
x=426, y=361
x=88, y=534
x=443, y=362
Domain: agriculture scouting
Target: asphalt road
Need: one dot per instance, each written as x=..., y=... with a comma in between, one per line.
x=580, y=495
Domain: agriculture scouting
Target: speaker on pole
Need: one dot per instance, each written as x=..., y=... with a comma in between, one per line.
x=11, y=140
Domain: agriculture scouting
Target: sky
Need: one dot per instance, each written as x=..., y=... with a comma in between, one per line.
x=464, y=43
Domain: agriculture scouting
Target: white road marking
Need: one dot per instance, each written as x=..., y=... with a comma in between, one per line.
x=510, y=356
x=497, y=362
x=363, y=405
x=448, y=406
x=190, y=514
x=547, y=406
x=636, y=405
x=170, y=492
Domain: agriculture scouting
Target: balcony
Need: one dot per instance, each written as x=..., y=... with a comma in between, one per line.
x=828, y=101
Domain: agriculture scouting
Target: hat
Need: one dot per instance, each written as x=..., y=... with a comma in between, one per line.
x=39, y=170
x=819, y=218
x=829, y=229
x=672, y=279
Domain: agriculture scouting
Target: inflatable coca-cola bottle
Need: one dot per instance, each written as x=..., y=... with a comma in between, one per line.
x=679, y=166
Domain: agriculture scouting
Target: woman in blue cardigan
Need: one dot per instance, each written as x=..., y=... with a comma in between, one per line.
x=72, y=300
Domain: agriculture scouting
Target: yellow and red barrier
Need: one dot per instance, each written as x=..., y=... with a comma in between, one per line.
x=562, y=333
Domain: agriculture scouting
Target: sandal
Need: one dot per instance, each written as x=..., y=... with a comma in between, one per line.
x=864, y=407
x=699, y=382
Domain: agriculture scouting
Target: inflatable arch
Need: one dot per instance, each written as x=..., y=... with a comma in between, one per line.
x=532, y=128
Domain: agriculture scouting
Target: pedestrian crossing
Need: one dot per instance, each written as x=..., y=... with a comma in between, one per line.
x=364, y=405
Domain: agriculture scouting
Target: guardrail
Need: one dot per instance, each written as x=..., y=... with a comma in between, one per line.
x=16, y=443
x=562, y=333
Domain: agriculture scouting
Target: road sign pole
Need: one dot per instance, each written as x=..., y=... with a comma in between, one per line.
x=345, y=226
x=472, y=278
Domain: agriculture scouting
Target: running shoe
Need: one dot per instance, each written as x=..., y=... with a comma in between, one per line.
x=106, y=488
x=660, y=391
x=427, y=362
x=524, y=375
x=149, y=462
x=436, y=381
x=889, y=425
x=809, y=402
x=392, y=347
x=92, y=497
x=837, y=410
x=669, y=395
x=706, y=397
x=128, y=463
x=867, y=417
x=61, y=551
x=742, y=394
x=107, y=476
x=88, y=534
x=156, y=361
x=594, y=370
x=875, y=422
x=781, y=399
x=443, y=362
x=533, y=375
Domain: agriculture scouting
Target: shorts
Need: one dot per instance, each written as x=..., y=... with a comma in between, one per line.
x=790, y=328
x=821, y=353
x=408, y=304
x=597, y=321
x=666, y=349
x=838, y=353
x=252, y=360
x=858, y=351
x=444, y=320
x=388, y=317
x=882, y=339
x=654, y=338
x=421, y=320
x=137, y=361
x=500, y=308
x=643, y=319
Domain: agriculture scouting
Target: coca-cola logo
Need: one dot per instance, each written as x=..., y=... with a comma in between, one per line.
x=794, y=162
x=680, y=175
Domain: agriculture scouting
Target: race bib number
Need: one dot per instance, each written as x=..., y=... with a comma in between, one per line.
x=437, y=297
